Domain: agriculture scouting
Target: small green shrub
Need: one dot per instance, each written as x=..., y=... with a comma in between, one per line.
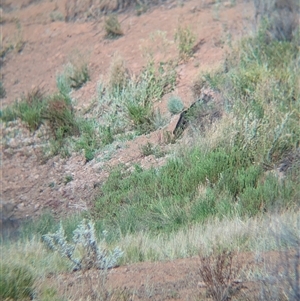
x=16, y=282
x=92, y=138
x=175, y=105
x=141, y=8
x=106, y=135
x=140, y=116
x=147, y=149
x=63, y=85
x=159, y=121
x=113, y=27
x=89, y=138
x=185, y=40
x=68, y=179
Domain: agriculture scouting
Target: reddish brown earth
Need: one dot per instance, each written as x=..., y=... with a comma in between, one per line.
x=29, y=185
x=171, y=280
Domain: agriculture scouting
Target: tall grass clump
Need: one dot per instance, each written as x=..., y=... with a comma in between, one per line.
x=29, y=109
x=16, y=282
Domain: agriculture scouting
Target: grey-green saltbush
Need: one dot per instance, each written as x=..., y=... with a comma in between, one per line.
x=84, y=236
x=175, y=105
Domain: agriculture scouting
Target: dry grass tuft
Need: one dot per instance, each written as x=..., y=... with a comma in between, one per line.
x=113, y=27
x=118, y=73
x=219, y=274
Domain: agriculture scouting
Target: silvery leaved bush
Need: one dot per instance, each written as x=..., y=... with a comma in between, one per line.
x=92, y=255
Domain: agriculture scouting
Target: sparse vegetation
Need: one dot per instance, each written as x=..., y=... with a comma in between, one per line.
x=130, y=102
x=131, y=105
x=68, y=179
x=14, y=42
x=185, y=39
x=63, y=85
x=18, y=42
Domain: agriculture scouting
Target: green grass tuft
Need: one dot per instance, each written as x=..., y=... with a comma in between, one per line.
x=16, y=282
x=185, y=39
x=29, y=109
